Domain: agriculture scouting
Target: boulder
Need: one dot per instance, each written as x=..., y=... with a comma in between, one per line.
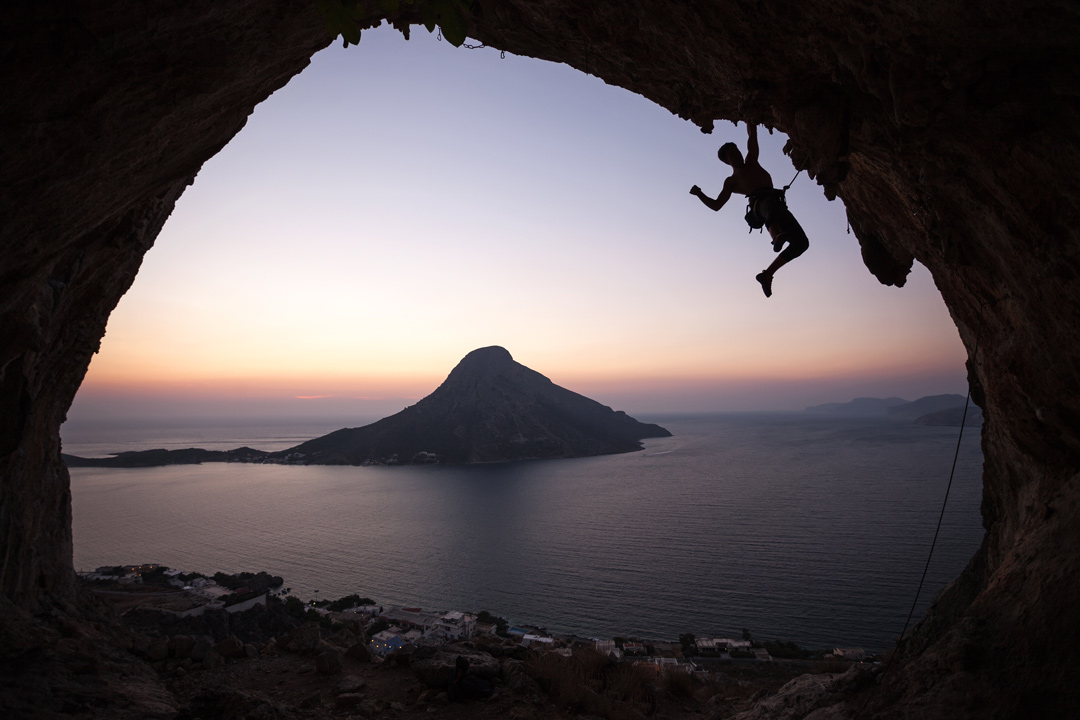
x=796, y=699
x=140, y=645
x=350, y=684
x=158, y=649
x=225, y=703
x=510, y=669
x=302, y=639
x=180, y=646
x=403, y=656
x=231, y=647
x=359, y=652
x=212, y=659
x=348, y=701
x=435, y=671
x=343, y=638
x=201, y=647
x=328, y=662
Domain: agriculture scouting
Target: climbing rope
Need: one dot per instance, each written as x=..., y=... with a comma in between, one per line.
x=785, y=188
x=941, y=516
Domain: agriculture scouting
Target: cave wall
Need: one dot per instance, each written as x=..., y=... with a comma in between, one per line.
x=947, y=129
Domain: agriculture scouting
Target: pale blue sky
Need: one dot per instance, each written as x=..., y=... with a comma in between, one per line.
x=400, y=203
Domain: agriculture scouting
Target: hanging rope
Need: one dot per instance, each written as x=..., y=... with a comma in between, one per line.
x=785, y=188
x=941, y=516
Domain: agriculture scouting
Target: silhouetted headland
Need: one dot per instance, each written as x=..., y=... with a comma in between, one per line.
x=489, y=409
x=940, y=410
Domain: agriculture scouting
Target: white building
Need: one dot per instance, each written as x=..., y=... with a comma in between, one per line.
x=537, y=640
x=456, y=625
x=370, y=610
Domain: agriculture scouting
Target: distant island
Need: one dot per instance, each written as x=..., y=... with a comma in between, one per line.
x=941, y=410
x=489, y=409
x=859, y=406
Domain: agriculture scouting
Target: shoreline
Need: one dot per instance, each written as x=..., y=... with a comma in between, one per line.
x=231, y=593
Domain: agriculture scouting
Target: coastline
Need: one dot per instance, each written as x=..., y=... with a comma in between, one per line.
x=181, y=594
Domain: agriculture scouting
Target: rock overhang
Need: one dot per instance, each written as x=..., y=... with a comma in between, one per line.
x=948, y=132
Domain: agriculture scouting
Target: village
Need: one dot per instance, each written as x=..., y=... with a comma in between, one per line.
x=394, y=632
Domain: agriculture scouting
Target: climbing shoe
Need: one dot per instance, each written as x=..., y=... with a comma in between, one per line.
x=766, y=283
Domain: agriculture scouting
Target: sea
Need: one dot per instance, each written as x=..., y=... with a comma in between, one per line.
x=807, y=528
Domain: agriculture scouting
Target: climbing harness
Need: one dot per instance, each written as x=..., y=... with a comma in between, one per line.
x=755, y=219
x=941, y=516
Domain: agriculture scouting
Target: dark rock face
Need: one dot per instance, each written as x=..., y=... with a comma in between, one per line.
x=69, y=666
x=91, y=167
x=435, y=669
x=489, y=409
x=948, y=130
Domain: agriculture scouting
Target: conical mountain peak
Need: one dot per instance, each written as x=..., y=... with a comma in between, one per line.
x=491, y=355
x=484, y=361
x=489, y=409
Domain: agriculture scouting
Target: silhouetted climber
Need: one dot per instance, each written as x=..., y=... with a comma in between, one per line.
x=766, y=206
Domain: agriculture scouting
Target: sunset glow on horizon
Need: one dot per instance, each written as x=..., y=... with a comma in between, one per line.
x=400, y=204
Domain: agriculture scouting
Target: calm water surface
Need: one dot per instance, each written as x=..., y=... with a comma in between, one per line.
x=804, y=528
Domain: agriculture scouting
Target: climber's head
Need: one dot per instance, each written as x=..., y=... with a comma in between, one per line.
x=729, y=153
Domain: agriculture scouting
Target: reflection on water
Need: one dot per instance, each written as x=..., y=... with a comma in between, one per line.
x=803, y=528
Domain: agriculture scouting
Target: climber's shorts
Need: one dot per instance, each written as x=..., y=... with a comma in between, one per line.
x=782, y=225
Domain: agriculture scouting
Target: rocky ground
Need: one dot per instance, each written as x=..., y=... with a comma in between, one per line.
x=267, y=665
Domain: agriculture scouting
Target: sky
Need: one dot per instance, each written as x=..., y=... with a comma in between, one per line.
x=401, y=203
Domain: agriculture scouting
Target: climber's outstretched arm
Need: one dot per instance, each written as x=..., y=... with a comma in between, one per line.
x=720, y=200
x=751, y=144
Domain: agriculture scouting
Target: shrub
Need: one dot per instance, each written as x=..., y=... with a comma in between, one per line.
x=829, y=665
x=589, y=683
x=376, y=627
x=565, y=680
x=155, y=576
x=630, y=683
x=345, y=603
x=296, y=609
x=680, y=684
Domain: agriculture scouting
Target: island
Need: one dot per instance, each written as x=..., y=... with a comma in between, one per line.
x=935, y=410
x=489, y=409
